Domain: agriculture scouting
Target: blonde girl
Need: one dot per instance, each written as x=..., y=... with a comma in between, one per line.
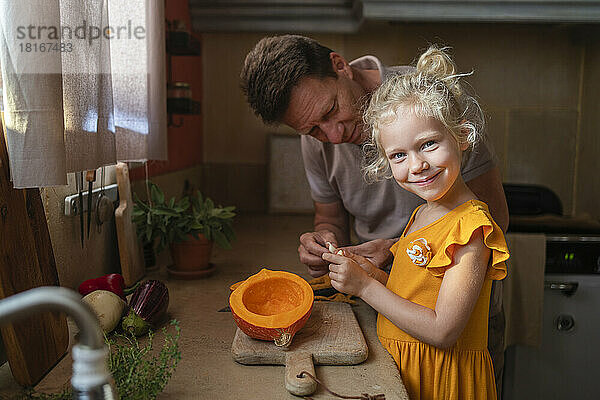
x=433, y=306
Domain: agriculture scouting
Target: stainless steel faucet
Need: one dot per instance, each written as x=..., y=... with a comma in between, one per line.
x=91, y=379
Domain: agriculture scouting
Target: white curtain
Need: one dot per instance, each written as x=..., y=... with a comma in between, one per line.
x=84, y=85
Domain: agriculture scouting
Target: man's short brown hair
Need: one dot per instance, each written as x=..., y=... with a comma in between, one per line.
x=275, y=66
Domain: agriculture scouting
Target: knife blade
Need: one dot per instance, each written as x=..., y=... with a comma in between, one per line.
x=79, y=184
x=90, y=176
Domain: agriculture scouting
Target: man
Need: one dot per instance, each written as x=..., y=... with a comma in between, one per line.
x=294, y=80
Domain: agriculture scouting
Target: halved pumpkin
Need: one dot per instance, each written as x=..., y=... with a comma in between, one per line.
x=235, y=286
x=272, y=305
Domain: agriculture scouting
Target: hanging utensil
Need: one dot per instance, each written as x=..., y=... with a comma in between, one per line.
x=104, y=206
x=90, y=176
x=79, y=184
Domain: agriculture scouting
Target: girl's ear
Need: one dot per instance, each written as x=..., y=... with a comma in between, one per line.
x=465, y=145
x=340, y=65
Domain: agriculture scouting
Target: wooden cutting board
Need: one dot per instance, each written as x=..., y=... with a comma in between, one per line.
x=130, y=250
x=331, y=336
x=33, y=345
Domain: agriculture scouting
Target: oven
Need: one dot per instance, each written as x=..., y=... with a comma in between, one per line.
x=567, y=363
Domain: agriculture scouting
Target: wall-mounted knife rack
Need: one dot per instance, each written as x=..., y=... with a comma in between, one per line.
x=72, y=201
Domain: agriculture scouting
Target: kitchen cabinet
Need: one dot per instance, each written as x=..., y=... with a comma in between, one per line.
x=179, y=94
x=184, y=120
x=345, y=16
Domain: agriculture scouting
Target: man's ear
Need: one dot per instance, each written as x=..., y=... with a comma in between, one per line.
x=340, y=65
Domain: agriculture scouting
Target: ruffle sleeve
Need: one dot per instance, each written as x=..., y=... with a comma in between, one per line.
x=461, y=234
x=394, y=247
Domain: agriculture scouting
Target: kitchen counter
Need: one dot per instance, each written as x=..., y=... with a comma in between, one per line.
x=207, y=370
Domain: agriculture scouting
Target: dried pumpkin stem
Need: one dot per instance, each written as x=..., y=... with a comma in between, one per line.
x=283, y=340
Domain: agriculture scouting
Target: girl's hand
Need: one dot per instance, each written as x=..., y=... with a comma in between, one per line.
x=347, y=275
x=369, y=267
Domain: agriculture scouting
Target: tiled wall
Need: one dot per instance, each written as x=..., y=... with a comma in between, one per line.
x=537, y=83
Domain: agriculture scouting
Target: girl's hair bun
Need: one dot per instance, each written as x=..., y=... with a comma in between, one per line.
x=436, y=62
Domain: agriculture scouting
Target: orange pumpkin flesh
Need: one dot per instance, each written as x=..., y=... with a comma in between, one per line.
x=272, y=305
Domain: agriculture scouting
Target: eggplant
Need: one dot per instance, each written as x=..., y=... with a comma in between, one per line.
x=147, y=307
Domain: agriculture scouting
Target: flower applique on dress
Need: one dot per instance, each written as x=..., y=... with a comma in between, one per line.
x=419, y=252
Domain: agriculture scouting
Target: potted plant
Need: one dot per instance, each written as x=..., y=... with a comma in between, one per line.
x=189, y=226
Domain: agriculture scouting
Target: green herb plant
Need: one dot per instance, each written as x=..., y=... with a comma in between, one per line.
x=164, y=222
x=138, y=372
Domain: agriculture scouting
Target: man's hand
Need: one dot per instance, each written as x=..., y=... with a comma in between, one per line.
x=376, y=251
x=312, y=246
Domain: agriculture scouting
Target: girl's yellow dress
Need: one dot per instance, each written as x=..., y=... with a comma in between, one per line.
x=465, y=370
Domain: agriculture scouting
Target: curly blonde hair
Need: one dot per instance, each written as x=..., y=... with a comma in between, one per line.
x=431, y=90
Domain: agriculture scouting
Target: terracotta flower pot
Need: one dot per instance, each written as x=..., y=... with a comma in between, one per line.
x=191, y=258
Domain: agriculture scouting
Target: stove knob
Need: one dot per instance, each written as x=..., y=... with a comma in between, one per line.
x=565, y=323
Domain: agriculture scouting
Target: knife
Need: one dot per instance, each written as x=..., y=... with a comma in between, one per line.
x=79, y=184
x=90, y=176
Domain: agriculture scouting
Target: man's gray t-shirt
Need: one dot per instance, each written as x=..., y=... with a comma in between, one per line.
x=381, y=209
